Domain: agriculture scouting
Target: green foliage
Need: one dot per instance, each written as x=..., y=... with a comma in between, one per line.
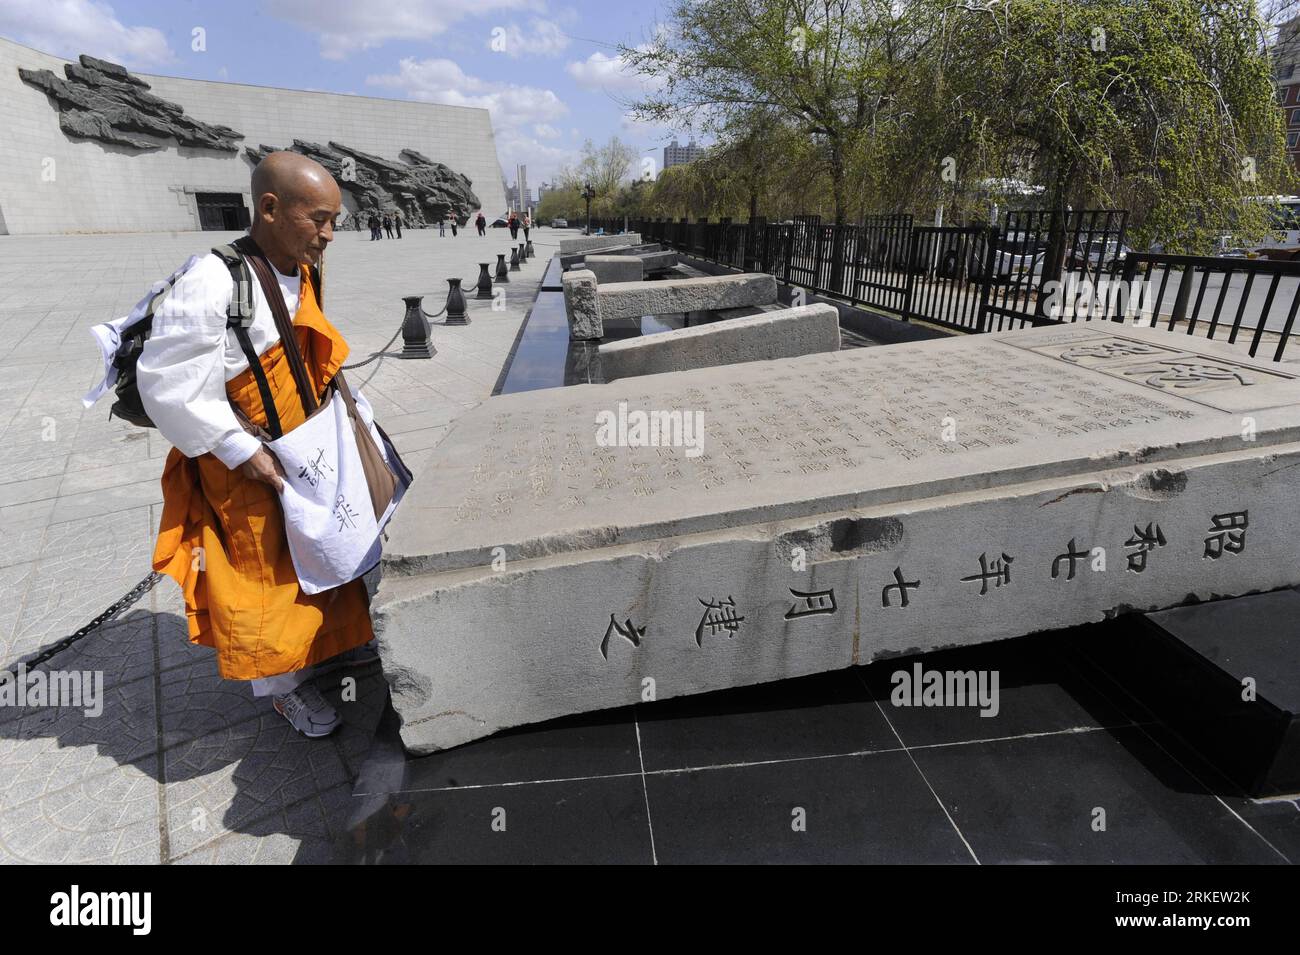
x=849, y=107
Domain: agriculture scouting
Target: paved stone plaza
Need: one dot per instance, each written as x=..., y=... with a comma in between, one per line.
x=181, y=766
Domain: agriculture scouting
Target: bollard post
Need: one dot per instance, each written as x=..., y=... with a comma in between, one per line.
x=455, y=304
x=484, y=281
x=416, y=341
x=523, y=254
x=501, y=268
x=514, y=259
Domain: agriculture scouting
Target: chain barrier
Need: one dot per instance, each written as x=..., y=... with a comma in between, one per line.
x=384, y=351
x=130, y=597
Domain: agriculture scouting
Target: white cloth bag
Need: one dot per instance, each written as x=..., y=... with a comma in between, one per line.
x=328, y=517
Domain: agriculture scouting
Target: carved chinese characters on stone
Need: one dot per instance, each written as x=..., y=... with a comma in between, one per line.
x=1227, y=534
x=997, y=570
x=811, y=603
x=719, y=617
x=627, y=630
x=838, y=422
x=1144, y=540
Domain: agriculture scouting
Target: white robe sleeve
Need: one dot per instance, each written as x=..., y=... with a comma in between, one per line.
x=181, y=371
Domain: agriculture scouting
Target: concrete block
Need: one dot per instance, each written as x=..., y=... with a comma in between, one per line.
x=592, y=243
x=580, y=304
x=728, y=526
x=615, y=268
x=575, y=259
x=632, y=299
x=659, y=261
x=785, y=333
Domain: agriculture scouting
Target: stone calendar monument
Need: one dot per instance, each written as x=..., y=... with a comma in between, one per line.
x=588, y=547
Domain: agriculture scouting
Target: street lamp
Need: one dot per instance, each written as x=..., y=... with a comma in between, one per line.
x=588, y=193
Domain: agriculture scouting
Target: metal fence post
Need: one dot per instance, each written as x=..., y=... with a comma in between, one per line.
x=913, y=251
x=989, y=276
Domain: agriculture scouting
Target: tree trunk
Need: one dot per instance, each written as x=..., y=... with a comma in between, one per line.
x=837, y=180
x=1054, y=258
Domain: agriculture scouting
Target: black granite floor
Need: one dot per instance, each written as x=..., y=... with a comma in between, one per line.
x=828, y=769
x=1072, y=768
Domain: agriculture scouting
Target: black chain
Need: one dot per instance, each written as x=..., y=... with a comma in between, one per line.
x=130, y=597
x=383, y=351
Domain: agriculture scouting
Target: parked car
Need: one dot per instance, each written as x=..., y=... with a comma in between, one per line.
x=1016, y=258
x=1101, y=254
x=559, y=223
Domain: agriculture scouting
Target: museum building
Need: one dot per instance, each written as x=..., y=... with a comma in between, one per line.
x=86, y=146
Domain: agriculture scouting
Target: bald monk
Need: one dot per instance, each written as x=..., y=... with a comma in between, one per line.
x=222, y=535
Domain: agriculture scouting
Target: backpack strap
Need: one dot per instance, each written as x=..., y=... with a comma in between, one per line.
x=239, y=315
x=288, y=337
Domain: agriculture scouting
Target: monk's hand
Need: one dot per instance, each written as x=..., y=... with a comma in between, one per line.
x=265, y=467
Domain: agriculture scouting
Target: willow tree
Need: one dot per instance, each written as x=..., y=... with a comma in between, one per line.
x=824, y=68
x=1166, y=107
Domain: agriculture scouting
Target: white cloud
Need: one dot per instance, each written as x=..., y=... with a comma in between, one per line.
x=542, y=159
x=70, y=27
x=519, y=113
x=659, y=133
x=542, y=38
x=442, y=81
x=346, y=26
x=602, y=72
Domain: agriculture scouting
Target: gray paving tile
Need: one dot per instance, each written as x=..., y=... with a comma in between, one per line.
x=78, y=515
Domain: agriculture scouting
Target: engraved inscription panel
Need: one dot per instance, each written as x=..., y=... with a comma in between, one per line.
x=827, y=416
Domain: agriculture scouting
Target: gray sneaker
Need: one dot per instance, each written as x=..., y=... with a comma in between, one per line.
x=307, y=711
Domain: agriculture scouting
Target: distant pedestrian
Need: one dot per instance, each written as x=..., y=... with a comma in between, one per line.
x=442, y=228
x=397, y=223
x=514, y=227
x=453, y=227
x=388, y=225
x=374, y=227
x=528, y=224
x=481, y=223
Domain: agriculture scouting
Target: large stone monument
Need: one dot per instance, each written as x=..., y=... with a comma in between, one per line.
x=779, y=333
x=589, y=304
x=593, y=546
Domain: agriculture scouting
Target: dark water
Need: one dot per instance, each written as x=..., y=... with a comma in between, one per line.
x=544, y=357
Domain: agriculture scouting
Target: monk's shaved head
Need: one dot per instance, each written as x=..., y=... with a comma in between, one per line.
x=295, y=203
x=290, y=176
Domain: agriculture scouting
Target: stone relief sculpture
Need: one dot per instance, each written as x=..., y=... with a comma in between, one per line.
x=102, y=101
x=423, y=190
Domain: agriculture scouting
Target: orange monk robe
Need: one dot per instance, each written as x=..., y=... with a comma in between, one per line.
x=242, y=596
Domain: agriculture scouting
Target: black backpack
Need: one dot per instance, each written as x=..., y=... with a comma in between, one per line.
x=239, y=315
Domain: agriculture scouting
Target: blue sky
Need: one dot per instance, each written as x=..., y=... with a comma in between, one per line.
x=547, y=70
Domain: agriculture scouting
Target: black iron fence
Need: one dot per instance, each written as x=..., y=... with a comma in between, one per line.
x=1036, y=268
x=975, y=278
x=1225, y=298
